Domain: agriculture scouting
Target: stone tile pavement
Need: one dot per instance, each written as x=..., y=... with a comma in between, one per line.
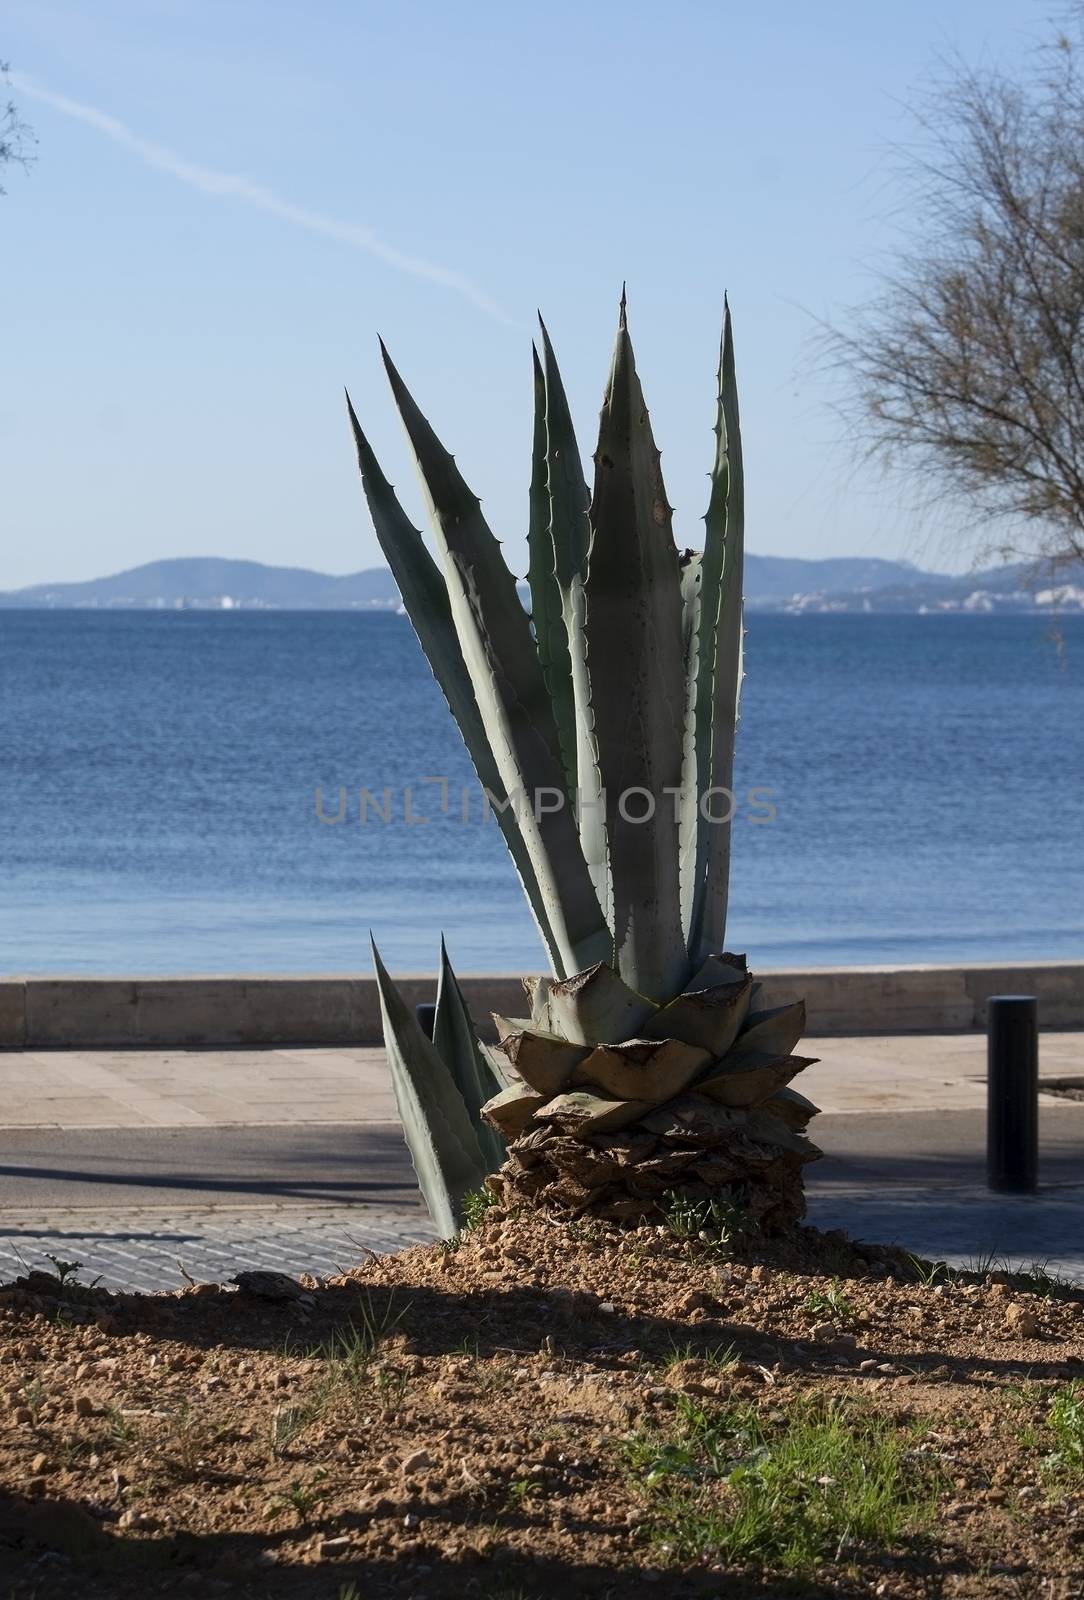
x=141, y=1248
x=967, y=1227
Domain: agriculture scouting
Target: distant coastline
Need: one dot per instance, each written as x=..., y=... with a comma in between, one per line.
x=839, y=585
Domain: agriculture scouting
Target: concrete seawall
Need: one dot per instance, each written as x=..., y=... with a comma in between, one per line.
x=88, y=1013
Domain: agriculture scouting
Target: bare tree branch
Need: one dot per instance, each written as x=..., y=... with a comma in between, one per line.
x=966, y=367
x=16, y=137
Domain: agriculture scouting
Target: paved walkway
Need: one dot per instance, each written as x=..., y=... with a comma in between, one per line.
x=216, y=1088
x=155, y=1248
x=146, y=1165
x=192, y=1088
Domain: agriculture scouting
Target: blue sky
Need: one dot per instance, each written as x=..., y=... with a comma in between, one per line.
x=233, y=196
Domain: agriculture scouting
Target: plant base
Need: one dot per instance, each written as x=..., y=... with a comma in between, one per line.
x=636, y=1175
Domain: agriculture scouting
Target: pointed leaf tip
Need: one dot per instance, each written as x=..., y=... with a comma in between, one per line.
x=547, y=348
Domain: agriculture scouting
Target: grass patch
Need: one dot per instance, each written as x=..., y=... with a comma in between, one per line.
x=1065, y=1420
x=349, y=1352
x=1044, y=1280
x=982, y=1264
x=1038, y=1278
x=348, y=1376
x=788, y=1490
x=931, y=1273
x=717, y=1356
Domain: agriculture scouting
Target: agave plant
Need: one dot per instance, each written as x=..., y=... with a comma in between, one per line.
x=602, y=726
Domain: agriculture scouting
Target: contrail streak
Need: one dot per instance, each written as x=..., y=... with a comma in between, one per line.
x=225, y=184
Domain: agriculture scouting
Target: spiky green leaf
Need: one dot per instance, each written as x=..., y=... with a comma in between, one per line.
x=719, y=661
x=792, y=1108
x=547, y=611
x=635, y=661
x=425, y=599
x=690, y=859
x=443, y=1145
x=456, y=1041
x=570, y=537
x=509, y=687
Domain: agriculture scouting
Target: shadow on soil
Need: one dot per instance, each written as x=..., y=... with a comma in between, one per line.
x=53, y=1548
x=501, y=1321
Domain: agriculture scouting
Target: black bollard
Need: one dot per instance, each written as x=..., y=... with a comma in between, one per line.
x=427, y=1016
x=1012, y=1093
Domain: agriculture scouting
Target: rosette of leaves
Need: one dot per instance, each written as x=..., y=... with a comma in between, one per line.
x=602, y=726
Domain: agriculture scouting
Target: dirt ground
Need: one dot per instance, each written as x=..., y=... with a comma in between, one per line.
x=550, y=1409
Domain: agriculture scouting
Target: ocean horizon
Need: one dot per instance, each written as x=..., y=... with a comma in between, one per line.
x=908, y=789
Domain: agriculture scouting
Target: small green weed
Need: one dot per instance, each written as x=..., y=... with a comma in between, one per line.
x=582, y=1230
x=716, y=1221
x=287, y=1423
x=718, y=1356
x=302, y=1498
x=831, y=1305
x=64, y=1269
x=74, y=1450
x=791, y=1491
x=122, y=1429
x=390, y=1388
x=1066, y=1422
x=350, y=1350
x=520, y=1492
x=189, y=1436
x=930, y=1273
x=34, y=1398
x=475, y=1206
x=983, y=1263
x=348, y=1356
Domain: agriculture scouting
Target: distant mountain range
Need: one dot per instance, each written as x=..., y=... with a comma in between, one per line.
x=772, y=583
x=208, y=582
